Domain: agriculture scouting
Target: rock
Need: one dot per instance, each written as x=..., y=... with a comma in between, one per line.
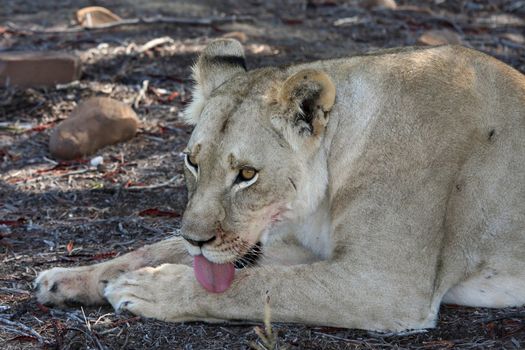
x=95, y=123
x=439, y=37
x=27, y=69
x=379, y=4
x=95, y=16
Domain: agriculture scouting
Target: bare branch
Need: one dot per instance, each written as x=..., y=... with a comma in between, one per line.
x=207, y=21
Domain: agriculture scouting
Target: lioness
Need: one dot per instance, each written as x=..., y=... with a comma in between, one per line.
x=376, y=187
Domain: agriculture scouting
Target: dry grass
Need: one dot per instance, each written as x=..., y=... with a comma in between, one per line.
x=267, y=337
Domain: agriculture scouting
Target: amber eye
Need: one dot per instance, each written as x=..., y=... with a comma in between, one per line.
x=246, y=174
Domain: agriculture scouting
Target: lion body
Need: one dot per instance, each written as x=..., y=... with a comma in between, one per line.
x=404, y=192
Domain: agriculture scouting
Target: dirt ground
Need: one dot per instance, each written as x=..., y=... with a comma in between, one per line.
x=67, y=214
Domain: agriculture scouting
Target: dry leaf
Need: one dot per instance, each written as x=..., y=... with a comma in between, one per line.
x=439, y=37
x=157, y=212
x=69, y=247
x=378, y=4
x=93, y=16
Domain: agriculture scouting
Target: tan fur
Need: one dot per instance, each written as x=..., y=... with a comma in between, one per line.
x=326, y=101
x=408, y=191
x=290, y=92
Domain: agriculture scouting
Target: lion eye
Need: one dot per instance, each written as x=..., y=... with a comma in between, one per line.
x=191, y=164
x=246, y=174
x=247, y=177
x=192, y=161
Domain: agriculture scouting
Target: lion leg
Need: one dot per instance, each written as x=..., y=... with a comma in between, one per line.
x=85, y=284
x=323, y=293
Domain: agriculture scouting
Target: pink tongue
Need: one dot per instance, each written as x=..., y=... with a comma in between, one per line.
x=215, y=278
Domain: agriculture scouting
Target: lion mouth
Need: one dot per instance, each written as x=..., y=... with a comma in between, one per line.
x=217, y=278
x=250, y=258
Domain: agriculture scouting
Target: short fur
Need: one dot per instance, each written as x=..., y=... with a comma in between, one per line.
x=405, y=191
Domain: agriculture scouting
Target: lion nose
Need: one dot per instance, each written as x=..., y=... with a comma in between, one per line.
x=198, y=243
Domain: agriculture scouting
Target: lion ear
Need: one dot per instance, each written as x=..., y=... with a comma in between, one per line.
x=220, y=60
x=308, y=96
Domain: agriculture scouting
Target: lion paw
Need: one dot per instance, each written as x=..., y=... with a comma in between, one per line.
x=67, y=287
x=151, y=292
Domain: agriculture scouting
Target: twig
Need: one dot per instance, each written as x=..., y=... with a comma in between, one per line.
x=125, y=341
x=396, y=334
x=51, y=161
x=209, y=21
x=502, y=317
x=22, y=326
x=267, y=337
x=36, y=178
x=331, y=336
x=88, y=325
x=149, y=187
x=142, y=93
x=118, y=323
x=14, y=290
x=91, y=335
x=155, y=42
x=16, y=331
x=512, y=44
x=67, y=314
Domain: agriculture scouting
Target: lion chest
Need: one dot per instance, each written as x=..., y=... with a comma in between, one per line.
x=314, y=231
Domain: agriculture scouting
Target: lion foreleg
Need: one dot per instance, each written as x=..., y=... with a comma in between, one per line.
x=322, y=293
x=85, y=284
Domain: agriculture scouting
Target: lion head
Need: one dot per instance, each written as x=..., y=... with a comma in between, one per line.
x=254, y=150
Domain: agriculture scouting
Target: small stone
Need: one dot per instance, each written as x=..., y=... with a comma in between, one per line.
x=96, y=161
x=379, y=4
x=439, y=37
x=95, y=123
x=27, y=69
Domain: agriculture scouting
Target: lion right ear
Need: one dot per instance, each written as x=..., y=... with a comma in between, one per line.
x=306, y=99
x=220, y=60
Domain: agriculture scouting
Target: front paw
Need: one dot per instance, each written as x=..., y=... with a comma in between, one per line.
x=162, y=292
x=67, y=287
